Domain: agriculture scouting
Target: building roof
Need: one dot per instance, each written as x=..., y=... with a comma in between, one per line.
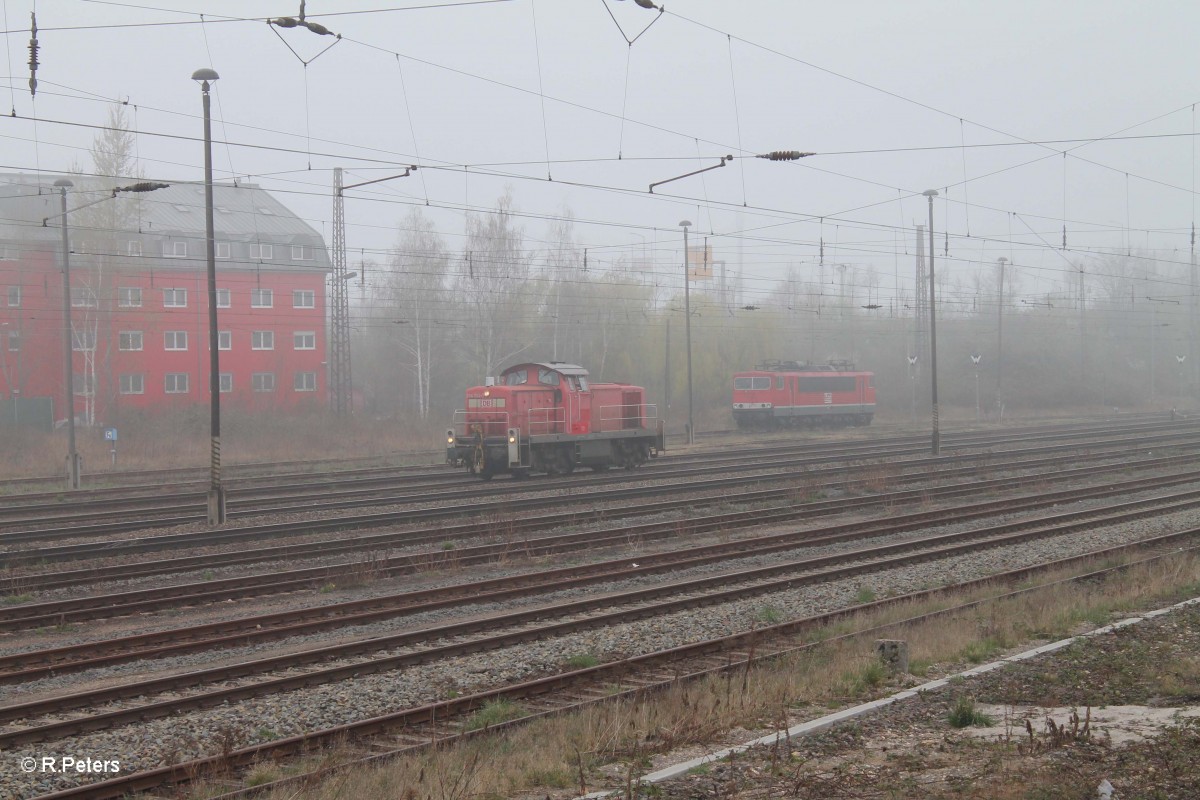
x=242, y=212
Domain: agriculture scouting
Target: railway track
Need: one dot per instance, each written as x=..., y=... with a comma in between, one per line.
x=415, y=460
x=555, y=693
x=512, y=627
x=38, y=664
x=122, y=510
x=22, y=583
x=438, y=724
x=688, y=479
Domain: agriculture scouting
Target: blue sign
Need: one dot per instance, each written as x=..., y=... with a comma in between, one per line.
x=110, y=434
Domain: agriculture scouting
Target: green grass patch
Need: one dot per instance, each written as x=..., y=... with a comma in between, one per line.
x=493, y=713
x=864, y=595
x=582, y=661
x=769, y=616
x=965, y=715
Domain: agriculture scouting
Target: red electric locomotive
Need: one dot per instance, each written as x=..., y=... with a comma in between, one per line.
x=548, y=418
x=778, y=393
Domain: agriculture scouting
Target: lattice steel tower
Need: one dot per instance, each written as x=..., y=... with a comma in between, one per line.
x=340, y=393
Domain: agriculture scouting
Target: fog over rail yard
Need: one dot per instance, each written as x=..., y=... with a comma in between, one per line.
x=491, y=399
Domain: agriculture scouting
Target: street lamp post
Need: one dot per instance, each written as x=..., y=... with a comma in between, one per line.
x=1000, y=331
x=937, y=438
x=1154, y=325
x=73, y=465
x=687, y=329
x=73, y=462
x=975, y=360
x=216, y=493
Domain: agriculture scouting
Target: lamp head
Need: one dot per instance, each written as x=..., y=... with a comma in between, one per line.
x=930, y=192
x=685, y=224
x=64, y=182
x=205, y=75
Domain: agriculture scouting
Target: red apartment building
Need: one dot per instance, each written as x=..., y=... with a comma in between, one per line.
x=139, y=298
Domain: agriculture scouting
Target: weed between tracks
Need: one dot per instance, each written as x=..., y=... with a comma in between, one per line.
x=611, y=746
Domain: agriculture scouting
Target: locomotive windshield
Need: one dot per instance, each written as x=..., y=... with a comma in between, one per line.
x=517, y=377
x=547, y=377
x=751, y=383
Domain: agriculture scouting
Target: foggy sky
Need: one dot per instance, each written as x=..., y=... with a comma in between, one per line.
x=519, y=91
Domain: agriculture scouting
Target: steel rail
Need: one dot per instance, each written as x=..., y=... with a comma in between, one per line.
x=168, y=510
x=415, y=729
x=819, y=569
x=18, y=584
x=54, y=554
x=36, y=664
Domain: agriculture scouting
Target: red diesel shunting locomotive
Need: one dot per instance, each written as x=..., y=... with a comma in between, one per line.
x=778, y=393
x=547, y=417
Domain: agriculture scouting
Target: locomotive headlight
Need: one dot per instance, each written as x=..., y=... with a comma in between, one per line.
x=487, y=393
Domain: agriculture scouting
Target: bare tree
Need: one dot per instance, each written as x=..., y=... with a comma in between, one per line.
x=100, y=234
x=416, y=295
x=499, y=300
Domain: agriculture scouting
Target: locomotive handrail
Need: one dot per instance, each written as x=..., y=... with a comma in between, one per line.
x=641, y=414
x=550, y=419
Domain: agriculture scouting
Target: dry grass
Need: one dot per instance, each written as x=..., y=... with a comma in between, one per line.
x=180, y=439
x=611, y=745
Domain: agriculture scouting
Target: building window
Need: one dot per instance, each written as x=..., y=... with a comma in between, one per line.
x=14, y=297
x=135, y=249
x=175, y=340
x=174, y=298
x=306, y=381
x=226, y=382
x=224, y=340
x=222, y=249
x=262, y=298
x=262, y=340
x=129, y=297
x=262, y=252
x=302, y=252
x=304, y=340
x=175, y=383
x=224, y=298
x=263, y=381
x=174, y=249
x=83, y=297
x=83, y=340
x=302, y=298
x=14, y=341
x=133, y=384
x=131, y=340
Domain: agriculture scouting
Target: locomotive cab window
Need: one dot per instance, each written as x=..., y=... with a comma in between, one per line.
x=583, y=384
x=779, y=382
x=516, y=378
x=547, y=377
